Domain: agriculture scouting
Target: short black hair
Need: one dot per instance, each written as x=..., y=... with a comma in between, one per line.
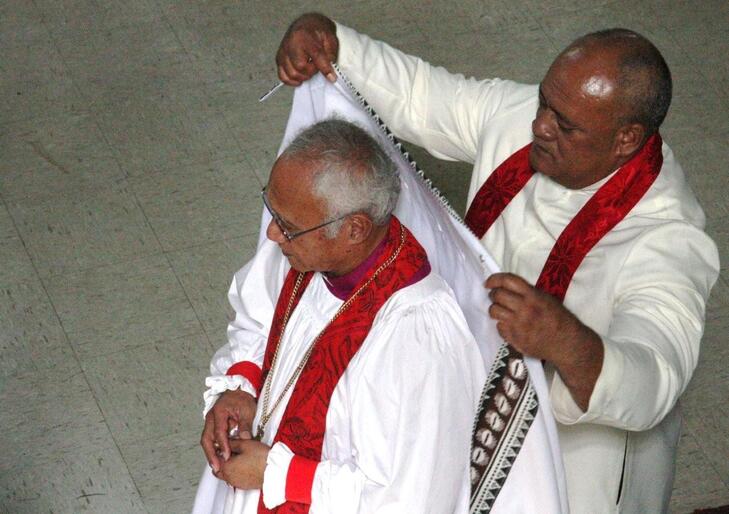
x=644, y=77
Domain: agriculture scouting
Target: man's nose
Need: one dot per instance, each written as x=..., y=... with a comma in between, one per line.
x=274, y=233
x=543, y=126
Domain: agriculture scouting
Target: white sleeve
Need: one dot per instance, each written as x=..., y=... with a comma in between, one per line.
x=652, y=345
x=252, y=295
x=412, y=396
x=444, y=113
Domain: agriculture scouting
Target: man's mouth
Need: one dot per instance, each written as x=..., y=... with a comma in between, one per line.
x=541, y=149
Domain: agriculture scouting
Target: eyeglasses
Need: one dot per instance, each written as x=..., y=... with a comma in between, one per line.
x=280, y=223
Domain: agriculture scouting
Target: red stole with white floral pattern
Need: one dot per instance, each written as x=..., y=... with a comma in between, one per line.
x=304, y=421
x=607, y=207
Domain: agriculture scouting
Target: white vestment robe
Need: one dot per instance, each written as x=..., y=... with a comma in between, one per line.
x=398, y=426
x=642, y=288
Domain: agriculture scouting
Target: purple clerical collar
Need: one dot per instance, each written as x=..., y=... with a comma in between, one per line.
x=343, y=285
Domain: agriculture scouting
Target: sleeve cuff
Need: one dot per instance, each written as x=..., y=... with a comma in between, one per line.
x=274, y=476
x=567, y=412
x=247, y=369
x=346, y=38
x=219, y=384
x=287, y=477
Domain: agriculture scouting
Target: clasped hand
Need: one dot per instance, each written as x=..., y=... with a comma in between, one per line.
x=238, y=460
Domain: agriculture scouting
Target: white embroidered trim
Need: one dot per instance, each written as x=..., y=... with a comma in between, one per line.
x=217, y=385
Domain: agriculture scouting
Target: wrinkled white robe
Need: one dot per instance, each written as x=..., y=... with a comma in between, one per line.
x=642, y=288
x=399, y=422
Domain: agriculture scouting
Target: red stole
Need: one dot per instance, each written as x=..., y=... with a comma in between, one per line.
x=607, y=207
x=304, y=421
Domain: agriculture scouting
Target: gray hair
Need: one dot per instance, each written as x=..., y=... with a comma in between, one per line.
x=355, y=174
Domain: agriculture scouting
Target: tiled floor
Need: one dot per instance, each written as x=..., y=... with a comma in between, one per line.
x=131, y=152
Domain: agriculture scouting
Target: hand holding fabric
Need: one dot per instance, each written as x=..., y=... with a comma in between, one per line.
x=233, y=409
x=538, y=325
x=245, y=468
x=309, y=45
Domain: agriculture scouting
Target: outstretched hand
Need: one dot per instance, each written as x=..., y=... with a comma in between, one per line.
x=233, y=409
x=309, y=45
x=538, y=325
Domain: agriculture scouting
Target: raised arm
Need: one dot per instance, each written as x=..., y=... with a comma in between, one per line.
x=443, y=112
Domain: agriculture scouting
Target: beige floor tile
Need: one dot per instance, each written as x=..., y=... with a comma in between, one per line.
x=152, y=390
x=564, y=7
x=113, y=308
x=31, y=339
x=564, y=28
x=166, y=132
x=251, y=122
x=142, y=59
x=39, y=84
x=261, y=158
x=697, y=484
x=211, y=35
x=70, y=17
x=84, y=229
x=145, y=134
x=17, y=265
x=21, y=23
x=167, y=470
x=49, y=415
x=199, y=204
x=702, y=30
x=702, y=157
x=710, y=382
x=697, y=113
x=718, y=305
x=710, y=426
x=517, y=53
x=53, y=156
x=206, y=272
x=93, y=482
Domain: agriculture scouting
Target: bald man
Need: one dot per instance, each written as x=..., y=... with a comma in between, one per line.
x=606, y=266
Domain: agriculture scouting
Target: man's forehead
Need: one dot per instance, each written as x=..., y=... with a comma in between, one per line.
x=591, y=70
x=292, y=168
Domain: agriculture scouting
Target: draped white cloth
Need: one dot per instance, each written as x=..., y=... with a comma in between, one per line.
x=535, y=481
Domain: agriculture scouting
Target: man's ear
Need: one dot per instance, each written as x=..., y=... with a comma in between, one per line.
x=359, y=228
x=629, y=139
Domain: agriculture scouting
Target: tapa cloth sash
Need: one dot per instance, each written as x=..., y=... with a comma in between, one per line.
x=304, y=421
x=610, y=204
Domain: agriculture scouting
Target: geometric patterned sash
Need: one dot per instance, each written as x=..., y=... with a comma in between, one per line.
x=508, y=402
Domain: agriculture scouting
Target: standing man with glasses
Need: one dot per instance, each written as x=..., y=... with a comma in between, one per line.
x=358, y=395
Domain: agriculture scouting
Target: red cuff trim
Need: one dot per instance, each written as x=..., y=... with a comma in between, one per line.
x=299, y=480
x=249, y=370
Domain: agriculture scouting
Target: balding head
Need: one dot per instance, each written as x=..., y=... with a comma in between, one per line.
x=640, y=74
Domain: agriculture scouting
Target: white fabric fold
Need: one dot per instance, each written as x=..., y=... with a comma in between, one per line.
x=274, y=478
